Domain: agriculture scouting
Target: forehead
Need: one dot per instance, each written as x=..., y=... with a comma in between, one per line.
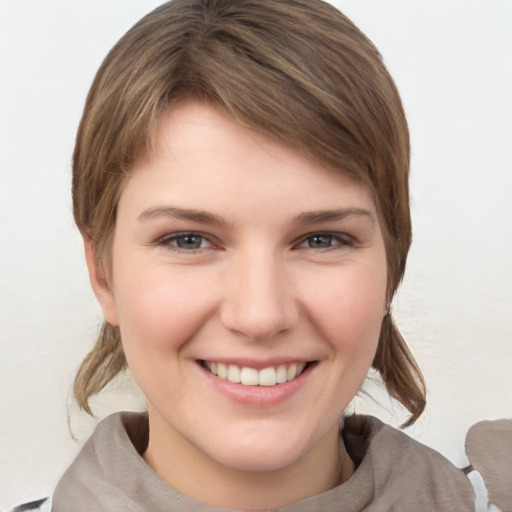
x=198, y=145
x=205, y=159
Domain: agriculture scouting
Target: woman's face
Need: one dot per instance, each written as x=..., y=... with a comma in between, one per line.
x=235, y=255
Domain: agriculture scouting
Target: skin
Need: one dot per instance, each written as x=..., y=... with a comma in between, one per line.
x=263, y=286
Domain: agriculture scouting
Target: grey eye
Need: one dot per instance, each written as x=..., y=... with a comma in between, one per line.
x=326, y=241
x=319, y=241
x=189, y=241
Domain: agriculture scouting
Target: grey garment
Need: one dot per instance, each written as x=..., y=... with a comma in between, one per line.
x=489, y=450
x=42, y=505
x=394, y=473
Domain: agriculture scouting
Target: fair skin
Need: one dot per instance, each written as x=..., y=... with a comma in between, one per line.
x=231, y=250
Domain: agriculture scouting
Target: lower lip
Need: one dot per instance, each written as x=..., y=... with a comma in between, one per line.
x=258, y=396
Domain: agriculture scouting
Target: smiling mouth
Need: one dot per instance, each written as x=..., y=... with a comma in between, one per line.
x=271, y=376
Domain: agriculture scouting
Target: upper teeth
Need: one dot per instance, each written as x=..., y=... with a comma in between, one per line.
x=251, y=377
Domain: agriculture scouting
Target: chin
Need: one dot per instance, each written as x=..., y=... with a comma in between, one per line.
x=261, y=452
x=258, y=460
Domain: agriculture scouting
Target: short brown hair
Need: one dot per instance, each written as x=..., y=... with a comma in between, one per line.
x=298, y=70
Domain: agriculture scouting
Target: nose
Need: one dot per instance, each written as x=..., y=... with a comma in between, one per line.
x=259, y=301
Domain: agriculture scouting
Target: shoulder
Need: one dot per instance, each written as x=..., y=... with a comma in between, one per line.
x=405, y=474
x=401, y=466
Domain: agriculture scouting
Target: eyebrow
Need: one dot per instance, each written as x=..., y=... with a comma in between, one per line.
x=203, y=217
x=182, y=213
x=319, y=216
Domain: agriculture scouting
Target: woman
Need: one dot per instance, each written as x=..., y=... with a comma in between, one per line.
x=240, y=180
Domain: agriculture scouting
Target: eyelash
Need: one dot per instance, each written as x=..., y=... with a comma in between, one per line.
x=341, y=240
x=336, y=240
x=167, y=241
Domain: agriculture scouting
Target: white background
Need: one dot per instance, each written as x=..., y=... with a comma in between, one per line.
x=452, y=61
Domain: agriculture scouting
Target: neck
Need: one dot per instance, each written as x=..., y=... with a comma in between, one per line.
x=186, y=469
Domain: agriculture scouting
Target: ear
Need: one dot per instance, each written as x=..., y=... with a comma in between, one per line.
x=99, y=283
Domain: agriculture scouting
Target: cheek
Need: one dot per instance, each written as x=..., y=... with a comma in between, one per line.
x=159, y=308
x=348, y=306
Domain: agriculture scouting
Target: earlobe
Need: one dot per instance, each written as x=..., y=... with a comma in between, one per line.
x=102, y=289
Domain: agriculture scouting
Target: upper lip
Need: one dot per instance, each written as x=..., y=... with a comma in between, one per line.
x=258, y=364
